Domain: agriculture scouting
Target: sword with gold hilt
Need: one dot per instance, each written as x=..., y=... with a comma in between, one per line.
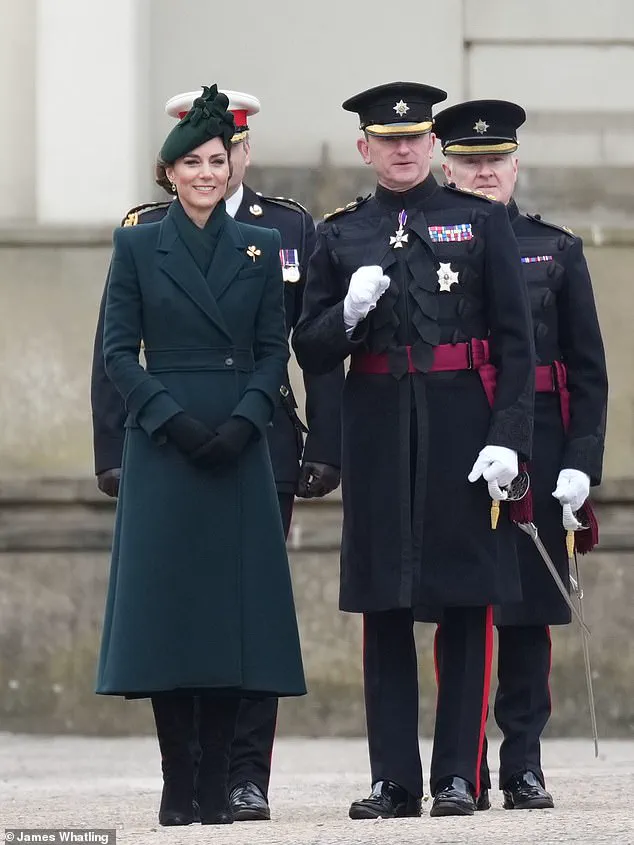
x=572, y=524
x=516, y=490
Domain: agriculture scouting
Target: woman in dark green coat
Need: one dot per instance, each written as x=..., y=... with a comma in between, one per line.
x=199, y=605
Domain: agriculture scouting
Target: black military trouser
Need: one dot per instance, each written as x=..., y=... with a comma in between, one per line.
x=522, y=702
x=391, y=696
x=252, y=746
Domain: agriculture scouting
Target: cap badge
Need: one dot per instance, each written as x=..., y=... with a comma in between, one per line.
x=399, y=237
x=256, y=210
x=401, y=108
x=447, y=277
x=480, y=126
x=253, y=252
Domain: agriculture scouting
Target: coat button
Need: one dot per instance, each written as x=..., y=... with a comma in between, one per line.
x=229, y=362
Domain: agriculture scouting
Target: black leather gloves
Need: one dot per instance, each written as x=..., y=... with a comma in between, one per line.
x=187, y=433
x=317, y=480
x=227, y=443
x=108, y=482
x=207, y=449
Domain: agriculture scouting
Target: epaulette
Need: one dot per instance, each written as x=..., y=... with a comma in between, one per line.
x=537, y=218
x=344, y=209
x=132, y=217
x=287, y=201
x=451, y=186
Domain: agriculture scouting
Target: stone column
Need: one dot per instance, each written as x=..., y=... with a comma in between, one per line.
x=17, y=107
x=92, y=109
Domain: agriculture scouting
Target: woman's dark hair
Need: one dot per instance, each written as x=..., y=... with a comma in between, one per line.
x=160, y=175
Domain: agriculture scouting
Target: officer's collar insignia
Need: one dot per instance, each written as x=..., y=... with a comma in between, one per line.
x=399, y=237
x=289, y=259
x=256, y=210
x=253, y=252
x=480, y=126
x=401, y=108
x=451, y=234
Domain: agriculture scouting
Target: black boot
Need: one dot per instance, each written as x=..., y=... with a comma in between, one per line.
x=217, y=724
x=173, y=715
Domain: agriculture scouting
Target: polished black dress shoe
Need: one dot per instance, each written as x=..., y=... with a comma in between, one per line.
x=482, y=801
x=387, y=800
x=454, y=797
x=525, y=792
x=248, y=803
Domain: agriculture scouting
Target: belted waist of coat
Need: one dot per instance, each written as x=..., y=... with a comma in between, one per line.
x=201, y=358
x=471, y=355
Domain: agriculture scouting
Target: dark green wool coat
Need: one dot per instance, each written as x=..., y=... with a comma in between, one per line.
x=200, y=594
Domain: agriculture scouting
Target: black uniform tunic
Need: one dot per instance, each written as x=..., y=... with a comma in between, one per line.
x=566, y=329
x=415, y=530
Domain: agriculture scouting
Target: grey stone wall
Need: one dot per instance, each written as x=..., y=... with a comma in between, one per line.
x=54, y=558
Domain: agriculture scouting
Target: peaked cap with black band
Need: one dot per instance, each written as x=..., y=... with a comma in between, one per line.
x=208, y=118
x=396, y=109
x=479, y=127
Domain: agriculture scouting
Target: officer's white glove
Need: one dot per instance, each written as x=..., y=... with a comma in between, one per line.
x=569, y=520
x=573, y=488
x=498, y=466
x=367, y=286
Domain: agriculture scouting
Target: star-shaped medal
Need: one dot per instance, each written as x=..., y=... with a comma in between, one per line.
x=447, y=277
x=401, y=108
x=480, y=126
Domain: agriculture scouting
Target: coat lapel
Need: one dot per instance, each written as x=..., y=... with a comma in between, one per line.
x=380, y=252
x=229, y=258
x=419, y=225
x=177, y=263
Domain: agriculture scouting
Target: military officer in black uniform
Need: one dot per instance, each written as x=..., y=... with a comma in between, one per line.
x=421, y=285
x=479, y=140
x=307, y=469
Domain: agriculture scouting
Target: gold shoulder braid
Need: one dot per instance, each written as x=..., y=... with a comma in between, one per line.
x=451, y=186
x=132, y=217
x=345, y=209
x=537, y=218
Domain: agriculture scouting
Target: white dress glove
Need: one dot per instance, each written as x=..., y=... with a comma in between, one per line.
x=573, y=488
x=569, y=520
x=498, y=466
x=367, y=286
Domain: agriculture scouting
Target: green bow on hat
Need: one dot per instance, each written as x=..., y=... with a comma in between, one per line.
x=208, y=118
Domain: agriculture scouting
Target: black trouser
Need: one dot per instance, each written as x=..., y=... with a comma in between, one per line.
x=255, y=729
x=522, y=701
x=391, y=696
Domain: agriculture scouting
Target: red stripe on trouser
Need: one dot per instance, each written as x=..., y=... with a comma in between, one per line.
x=488, y=659
x=436, y=661
x=550, y=665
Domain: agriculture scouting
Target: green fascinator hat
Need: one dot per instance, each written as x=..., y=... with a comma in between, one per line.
x=208, y=118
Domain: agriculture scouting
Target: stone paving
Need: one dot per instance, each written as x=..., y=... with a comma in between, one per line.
x=115, y=783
